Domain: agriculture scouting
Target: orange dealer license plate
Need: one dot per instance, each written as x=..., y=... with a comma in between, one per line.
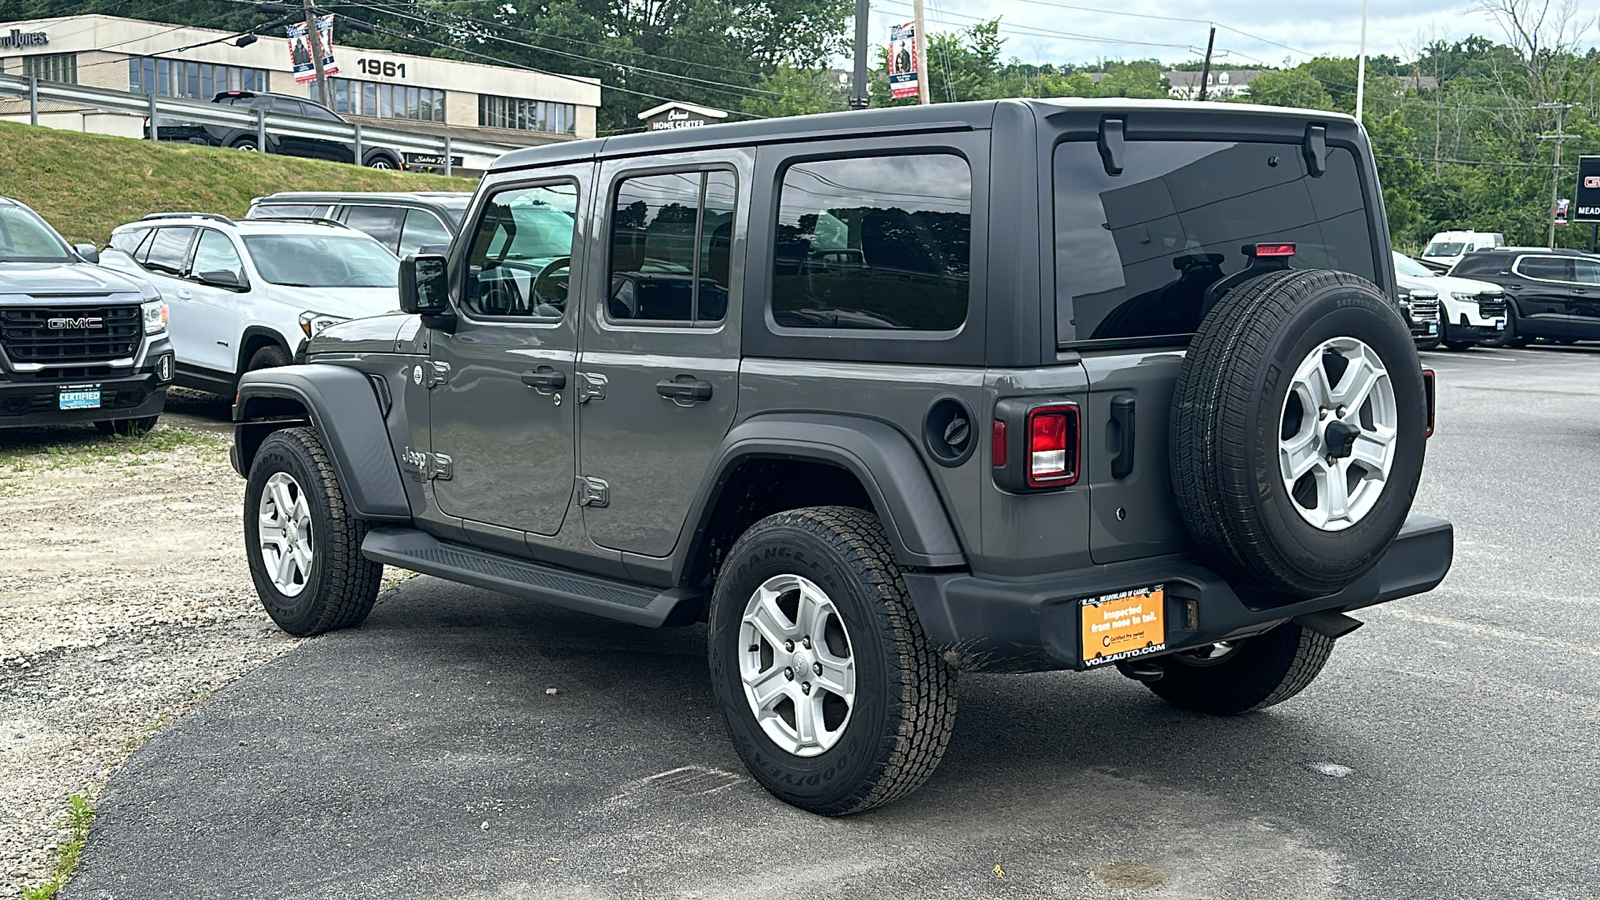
x=1123, y=625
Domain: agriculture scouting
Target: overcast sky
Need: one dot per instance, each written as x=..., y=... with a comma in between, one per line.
x=1078, y=31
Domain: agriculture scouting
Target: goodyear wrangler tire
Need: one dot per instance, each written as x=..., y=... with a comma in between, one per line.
x=1298, y=431
x=833, y=697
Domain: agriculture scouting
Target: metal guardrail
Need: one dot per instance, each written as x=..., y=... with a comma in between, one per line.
x=172, y=110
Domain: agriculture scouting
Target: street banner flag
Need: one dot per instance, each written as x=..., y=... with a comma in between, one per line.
x=1562, y=207
x=305, y=71
x=903, y=72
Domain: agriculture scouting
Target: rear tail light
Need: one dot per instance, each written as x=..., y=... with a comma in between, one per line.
x=1428, y=395
x=1052, y=446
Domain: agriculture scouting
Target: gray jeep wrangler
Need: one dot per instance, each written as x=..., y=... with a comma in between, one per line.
x=881, y=397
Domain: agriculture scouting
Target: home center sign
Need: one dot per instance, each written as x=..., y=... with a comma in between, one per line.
x=17, y=38
x=675, y=115
x=1586, y=200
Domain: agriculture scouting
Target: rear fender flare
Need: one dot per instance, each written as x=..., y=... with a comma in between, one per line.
x=343, y=407
x=878, y=455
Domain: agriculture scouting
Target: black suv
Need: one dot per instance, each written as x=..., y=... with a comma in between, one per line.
x=882, y=397
x=405, y=222
x=1552, y=294
x=78, y=343
x=286, y=145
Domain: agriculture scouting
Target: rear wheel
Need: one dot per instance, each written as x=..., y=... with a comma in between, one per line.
x=380, y=161
x=127, y=427
x=247, y=144
x=1230, y=679
x=831, y=693
x=303, y=544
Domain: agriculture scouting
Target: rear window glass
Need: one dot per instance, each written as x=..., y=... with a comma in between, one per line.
x=288, y=210
x=1136, y=252
x=880, y=242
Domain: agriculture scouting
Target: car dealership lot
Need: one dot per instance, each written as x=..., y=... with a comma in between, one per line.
x=1447, y=751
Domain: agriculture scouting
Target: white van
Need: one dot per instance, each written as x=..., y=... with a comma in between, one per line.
x=1447, y=247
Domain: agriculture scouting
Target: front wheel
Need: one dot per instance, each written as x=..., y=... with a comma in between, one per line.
x=268, y=357
x=833, y=696
x=1230, y=679
x=381, y=162
x=303, y=544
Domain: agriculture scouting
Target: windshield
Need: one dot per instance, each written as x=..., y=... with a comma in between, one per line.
x=1405, y=265
x=25, y=238
x=323, y=261
x=526, y=229
x=1441, y=248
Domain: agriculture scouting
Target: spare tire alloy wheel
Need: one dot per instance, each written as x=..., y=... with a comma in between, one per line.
x=834, y=698
x=798, y=672
x=1338, y=437
x=1298, y=432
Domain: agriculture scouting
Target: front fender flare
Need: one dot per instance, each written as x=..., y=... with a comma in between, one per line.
x=343, y=407
x=888, y=466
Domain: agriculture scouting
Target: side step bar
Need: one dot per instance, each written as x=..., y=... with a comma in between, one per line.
x=407, y=548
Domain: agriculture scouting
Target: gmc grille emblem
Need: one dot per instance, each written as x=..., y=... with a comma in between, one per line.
x=79, y=324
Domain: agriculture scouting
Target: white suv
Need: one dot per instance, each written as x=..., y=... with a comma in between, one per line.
x=1470, y=312
x=244, y=295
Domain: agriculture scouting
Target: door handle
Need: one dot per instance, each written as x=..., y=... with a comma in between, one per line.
x=1122, y=419
x=1514, y=287
x=545, y=378
x=684, y=389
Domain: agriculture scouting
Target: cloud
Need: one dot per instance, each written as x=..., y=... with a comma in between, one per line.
x=1250, y=32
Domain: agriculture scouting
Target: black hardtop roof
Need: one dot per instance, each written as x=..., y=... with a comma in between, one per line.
x=873, y=122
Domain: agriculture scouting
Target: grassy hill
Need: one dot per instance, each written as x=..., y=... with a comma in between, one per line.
x=87, y=184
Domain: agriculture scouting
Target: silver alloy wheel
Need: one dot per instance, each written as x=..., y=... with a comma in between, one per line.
x=797, y=665
x=379, y=163
x=1337, y=437
x=284, y=524
x=248, y=148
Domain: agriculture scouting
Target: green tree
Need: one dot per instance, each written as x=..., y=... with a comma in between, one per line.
x=1290, y=87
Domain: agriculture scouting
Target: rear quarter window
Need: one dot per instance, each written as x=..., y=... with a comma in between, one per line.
x=1136, y=252
x=874, y=243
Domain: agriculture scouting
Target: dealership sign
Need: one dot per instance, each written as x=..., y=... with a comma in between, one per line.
x=17, y=38
x=1586, y=202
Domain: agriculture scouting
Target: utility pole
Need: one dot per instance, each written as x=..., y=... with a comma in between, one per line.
x=1205, y=70
x=858, y=90
x=314, y=41
x=1555, y=169
x=1361, y=67
x=922, y=52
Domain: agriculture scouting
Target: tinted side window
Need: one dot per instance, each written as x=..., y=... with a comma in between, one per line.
x=422, y=228
x=1549, y=268
x=382, y=222
x=215, y=253
x=1135, y=252
x=521, y=256
x=670, y=242
x=1586, y=271
x=880, y=242
x=1486, y=264
x=283, y=105
x=168, y=250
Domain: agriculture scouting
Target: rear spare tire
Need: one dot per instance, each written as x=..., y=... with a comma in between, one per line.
x=1298, y=431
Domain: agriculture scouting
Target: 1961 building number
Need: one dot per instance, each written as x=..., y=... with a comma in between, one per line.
x=381, y=67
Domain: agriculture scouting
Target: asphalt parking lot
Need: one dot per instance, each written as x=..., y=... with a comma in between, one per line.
x=466, y=744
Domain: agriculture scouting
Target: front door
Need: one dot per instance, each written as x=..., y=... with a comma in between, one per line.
x=661, y=351
x=502, y=402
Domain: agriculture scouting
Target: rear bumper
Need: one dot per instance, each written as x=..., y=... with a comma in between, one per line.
x=988, y=625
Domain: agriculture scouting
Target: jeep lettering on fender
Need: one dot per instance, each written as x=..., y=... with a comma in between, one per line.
x=797, y=380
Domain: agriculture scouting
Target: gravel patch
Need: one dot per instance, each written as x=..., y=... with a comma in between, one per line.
x=124, y=601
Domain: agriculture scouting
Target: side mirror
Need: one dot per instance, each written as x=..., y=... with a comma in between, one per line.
x=221, y=279
x=424, y=285
x=88, y=252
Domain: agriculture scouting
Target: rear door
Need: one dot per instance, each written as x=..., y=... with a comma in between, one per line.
x=1586, y=296
x=213, y=312
x=1543, y=295
x=1145, y=246
x=661, y=349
